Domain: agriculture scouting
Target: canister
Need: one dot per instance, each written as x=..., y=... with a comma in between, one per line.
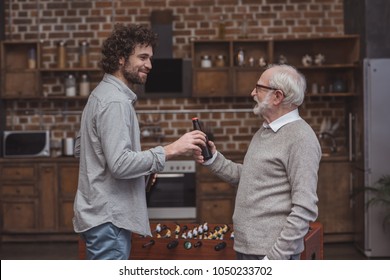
x=84, y=85
x=205, y=62
x=83, y=52
x=68, y=146
x=61, y=54
x=70, y=86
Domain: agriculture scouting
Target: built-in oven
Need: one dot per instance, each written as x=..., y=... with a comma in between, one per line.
x=174, y=194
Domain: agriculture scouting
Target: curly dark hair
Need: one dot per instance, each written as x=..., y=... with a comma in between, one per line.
x=122, y=42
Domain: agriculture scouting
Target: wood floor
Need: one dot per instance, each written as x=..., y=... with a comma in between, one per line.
x=69, y=251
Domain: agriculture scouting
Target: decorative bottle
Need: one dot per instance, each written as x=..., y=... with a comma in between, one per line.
x=206, y=152
x=240, y=57
x=221, y=28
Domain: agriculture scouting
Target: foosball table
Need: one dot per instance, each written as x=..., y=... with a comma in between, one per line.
x=172, y=241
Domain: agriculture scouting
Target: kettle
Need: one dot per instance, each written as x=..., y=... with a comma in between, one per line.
x=68, y=146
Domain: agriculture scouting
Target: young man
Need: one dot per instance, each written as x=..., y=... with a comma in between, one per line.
x=277, y=182
x=110, y=202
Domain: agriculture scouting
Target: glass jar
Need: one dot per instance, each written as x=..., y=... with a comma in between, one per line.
x=70, y=86
x=205, y=62
x=84, y=85
x=32, y=59
x=220, y=61
x=83, y=52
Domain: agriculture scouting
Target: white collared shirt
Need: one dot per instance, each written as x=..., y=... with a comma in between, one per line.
x=283, y=120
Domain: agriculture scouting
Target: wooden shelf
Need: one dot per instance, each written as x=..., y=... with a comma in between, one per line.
x=341, y=61
x=70, y=70
x=18, y=81
x=335, y=94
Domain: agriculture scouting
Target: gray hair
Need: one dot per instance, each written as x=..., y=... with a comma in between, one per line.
x=290, y=81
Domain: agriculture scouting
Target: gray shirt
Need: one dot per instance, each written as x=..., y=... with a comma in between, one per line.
x=111, y=186
x=276, y=196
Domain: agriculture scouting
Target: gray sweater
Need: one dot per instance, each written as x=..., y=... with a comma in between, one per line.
x=276, y=196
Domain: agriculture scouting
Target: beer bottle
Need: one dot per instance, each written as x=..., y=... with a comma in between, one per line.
x=206, y=152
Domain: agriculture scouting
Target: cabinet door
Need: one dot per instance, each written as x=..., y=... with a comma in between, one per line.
x=48, y=197
x=215, y=210
x=20, y=215
x=68, y=179
x=245, y=80
x=335, y=209
x=211, y=83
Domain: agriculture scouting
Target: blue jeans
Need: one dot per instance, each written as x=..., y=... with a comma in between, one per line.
x=107, y=242
x=241, y=256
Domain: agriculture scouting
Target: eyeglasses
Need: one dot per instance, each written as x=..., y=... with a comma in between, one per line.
x=266, y=87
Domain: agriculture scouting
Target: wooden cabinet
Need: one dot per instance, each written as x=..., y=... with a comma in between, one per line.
x=335, y=203
x=20, y=74
x=243, y=61
x=24, y=74
x=37, y=199
x=215, y=198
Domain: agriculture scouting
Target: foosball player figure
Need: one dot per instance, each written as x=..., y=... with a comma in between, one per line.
x=195, y=232
x=177, y=231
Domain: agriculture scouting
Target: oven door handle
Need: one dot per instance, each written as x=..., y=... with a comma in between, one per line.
x=171, y=175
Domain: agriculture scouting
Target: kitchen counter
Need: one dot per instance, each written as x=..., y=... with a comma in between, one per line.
x=239, y=157
x=40, y=160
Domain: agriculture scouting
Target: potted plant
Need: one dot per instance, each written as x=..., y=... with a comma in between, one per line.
x=381, y=196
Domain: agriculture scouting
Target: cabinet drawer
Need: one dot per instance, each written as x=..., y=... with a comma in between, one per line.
x=215, y=188
x=18, y=173
x=17, y=190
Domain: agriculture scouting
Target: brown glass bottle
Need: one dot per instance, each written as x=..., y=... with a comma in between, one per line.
x=206, y=152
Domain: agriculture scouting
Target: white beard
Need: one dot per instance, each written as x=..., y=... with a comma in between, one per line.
x=261, y=107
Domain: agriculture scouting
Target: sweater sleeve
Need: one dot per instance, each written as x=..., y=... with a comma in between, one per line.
x=227, y=170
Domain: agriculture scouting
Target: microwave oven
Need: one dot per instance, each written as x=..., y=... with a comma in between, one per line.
x=19, y=144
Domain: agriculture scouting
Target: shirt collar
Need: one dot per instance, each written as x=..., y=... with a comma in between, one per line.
x=121, y=86
x=283, y=120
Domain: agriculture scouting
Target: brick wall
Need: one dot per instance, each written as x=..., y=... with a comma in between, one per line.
x=229, y=119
